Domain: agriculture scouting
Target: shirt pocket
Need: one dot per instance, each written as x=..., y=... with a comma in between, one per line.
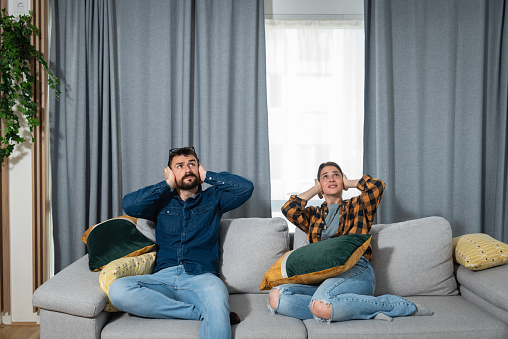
x=201, y=215
x=169, y=220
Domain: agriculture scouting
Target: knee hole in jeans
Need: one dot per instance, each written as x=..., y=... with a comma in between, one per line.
x=273, y=298
x=321, y=309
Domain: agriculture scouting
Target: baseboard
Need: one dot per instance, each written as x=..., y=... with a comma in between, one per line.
x=6, y=318
x=24, y=323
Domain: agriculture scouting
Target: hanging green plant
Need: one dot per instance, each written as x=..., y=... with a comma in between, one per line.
x=16, y=54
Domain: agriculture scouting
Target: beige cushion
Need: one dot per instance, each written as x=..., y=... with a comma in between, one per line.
x=125, y=267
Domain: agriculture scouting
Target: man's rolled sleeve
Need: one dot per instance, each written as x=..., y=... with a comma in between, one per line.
x=143, y=202
x=236, y=190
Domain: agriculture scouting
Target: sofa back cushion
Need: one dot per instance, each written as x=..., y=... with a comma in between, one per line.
x=414, y=258
x=249, y=247
x=410, y=258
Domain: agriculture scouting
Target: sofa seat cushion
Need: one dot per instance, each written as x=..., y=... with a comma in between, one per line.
x=249, y=247
x=74, y=290
x=454, y=317
x=124, y=325
x=414, y=258
x=256, y=322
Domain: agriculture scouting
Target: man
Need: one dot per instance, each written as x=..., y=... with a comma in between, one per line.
x=184, y=283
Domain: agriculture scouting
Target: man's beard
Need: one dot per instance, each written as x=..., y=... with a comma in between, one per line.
x=184, y=185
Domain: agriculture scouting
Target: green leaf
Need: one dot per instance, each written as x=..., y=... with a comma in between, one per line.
x=16, y=56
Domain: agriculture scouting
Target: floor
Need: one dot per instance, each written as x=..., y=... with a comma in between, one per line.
x=20, y=331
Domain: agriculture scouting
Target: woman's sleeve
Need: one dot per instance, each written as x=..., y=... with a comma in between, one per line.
x=372, y=192
x=294, y=210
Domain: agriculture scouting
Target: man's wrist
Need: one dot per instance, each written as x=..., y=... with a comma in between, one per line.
x=211, y=177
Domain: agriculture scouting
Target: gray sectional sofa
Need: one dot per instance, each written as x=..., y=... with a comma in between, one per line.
x=412, y=259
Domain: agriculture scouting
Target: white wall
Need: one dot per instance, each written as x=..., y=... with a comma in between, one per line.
x=20, y=212
x=20, y=185
x=20, y=216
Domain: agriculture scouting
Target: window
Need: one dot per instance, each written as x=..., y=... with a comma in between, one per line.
x=315, y=77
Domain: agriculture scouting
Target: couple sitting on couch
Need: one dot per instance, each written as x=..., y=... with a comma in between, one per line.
x=185, y=283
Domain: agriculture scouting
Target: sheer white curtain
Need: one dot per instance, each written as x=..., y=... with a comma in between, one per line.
x=315, y=77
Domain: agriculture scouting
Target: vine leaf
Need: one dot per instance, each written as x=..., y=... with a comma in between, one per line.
x=17, y=54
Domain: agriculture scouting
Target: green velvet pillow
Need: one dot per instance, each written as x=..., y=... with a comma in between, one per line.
x=113, y=239
x=317, y=262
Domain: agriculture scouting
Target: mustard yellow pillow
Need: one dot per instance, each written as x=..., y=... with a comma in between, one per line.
x=479, y=251
x=316, y=262
x=124, y=267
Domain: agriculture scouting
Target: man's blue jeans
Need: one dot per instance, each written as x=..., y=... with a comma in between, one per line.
x=350, y=295
x=172, y=293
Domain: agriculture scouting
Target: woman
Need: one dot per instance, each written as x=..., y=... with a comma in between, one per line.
x=350, y=294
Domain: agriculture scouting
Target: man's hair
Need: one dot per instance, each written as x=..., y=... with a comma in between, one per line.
x=328, y=163
x=181, y=151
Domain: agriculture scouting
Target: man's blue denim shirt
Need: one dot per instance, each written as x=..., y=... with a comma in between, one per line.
x=187, y=232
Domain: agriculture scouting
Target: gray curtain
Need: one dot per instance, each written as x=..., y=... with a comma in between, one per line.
x=436, y=111
x=139, y=78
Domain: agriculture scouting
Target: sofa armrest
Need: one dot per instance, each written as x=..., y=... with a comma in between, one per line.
x=487, y=286
x=75, y=290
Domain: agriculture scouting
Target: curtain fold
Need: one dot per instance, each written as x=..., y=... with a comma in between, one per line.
x=139, y=79
x=435, y=111
x=230, y=99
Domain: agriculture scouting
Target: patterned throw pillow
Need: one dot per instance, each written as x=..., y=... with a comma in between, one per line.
x=479, y=251
x=316, y=262
x=113, y=239
x=124, y=267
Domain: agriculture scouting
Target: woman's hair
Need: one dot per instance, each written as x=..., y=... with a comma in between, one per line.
x=328, y=163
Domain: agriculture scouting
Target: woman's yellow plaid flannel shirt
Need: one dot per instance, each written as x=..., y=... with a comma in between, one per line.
x=356, y=214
